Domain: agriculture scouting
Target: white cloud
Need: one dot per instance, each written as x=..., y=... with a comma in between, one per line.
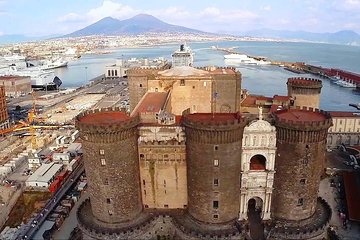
x=71, y=17
x=267, y=8
x=112, y=9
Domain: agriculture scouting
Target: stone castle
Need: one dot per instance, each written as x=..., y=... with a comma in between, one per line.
x=187, y=163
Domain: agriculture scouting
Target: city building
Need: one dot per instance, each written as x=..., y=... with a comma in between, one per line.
x=345, y=129
x=44, y=175
x=4, y=117
x=16, y=86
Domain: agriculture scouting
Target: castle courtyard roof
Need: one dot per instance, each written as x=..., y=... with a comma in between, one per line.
x=298, y=115
x=183, y=71
x=151, y=102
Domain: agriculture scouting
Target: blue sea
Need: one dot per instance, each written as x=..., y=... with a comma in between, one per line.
x=262, y=80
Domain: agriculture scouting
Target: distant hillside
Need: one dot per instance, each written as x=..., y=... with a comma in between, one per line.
x=139, y=24
x=342, y=37
x=19, y=38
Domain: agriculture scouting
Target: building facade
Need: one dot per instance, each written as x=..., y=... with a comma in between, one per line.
x=4, y=117
x=188, y=153
x=16, y=86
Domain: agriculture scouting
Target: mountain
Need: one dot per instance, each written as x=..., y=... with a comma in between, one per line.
x=342, y=37
x=139, y=24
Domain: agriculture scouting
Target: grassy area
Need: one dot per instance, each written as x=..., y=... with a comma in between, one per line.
x=26, y=205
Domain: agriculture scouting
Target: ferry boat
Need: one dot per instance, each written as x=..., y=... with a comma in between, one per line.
x=40, y=79
x=54, y=63
x=345, y=84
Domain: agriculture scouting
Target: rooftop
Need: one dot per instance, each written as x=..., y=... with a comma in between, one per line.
x=298, y=115
x=281, y=98
x=304, y=81
x=45, y=172
x=151, y=102
x=104, y=118
x=183, y=71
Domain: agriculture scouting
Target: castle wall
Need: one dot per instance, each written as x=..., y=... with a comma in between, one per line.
x=305, y=92
x=299, y=163
x=137, y=88
x=228, y=89
x=213, y=160
x=108, y=151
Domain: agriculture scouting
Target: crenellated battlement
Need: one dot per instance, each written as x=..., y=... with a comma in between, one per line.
x=303, y=125
x=145, y=70
x=217, y=128
x=301, y=82
x=216, y=121
x=106, y=125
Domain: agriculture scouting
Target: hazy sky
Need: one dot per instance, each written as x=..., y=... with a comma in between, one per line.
x=45, y=17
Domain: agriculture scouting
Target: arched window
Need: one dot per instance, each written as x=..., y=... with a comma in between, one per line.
x=112, y=72
x=258, y=162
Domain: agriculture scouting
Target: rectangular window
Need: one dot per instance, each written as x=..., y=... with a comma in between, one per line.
x=108, y=200
x=182, y=82
x=300, y=202
x=106, y=181
x=204, y=84
x=216, y=182
x=102, y=152
x=303, y=181
x=216, y=147
x=216, y=163
x=215, y=204
x=215, y=216
x=103, y=162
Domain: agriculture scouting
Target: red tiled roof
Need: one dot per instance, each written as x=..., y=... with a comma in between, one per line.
x=249, y=101
x=344, y=114
x=352, y=191
x=281, y=98
x=104, y=118
x=152, y=102
x=297, y=115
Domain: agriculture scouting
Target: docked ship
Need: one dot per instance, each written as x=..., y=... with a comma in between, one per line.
x=40, y=79
x=236, y=58
x=54, y=63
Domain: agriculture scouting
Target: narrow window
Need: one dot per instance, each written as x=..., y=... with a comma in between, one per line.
x=216, y=162
x=303, y=181
x=108, y=200
x=102, y=152
x=145, y=192
x=166, y=206
x=140, y=85
x=215, y=216
x=144, y=182
x=142, y=156
x=182, y=82
x=215, y=204
x=300, y=202
x=216, y=182
x=103, y=162
x=106, y=181
x=216, y=147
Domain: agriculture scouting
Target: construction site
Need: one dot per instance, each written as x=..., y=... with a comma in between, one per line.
x=42, y=135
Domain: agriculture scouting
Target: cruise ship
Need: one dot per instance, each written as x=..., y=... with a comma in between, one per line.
x=40, y=79
x=236, y=58
x=17, y=66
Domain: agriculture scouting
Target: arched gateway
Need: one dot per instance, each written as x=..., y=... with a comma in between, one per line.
x=257, y=169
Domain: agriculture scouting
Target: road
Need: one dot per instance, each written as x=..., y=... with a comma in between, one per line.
x=34, y=224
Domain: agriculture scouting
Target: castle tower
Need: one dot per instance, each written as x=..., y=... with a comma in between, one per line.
x=213, y=147
x=301, y=145
x=304, y=91
x=112, y=168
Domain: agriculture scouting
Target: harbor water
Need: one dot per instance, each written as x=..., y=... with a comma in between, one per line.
x=261, y=80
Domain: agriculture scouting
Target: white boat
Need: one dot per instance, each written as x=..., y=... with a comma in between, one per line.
x=335, y=78
x=235, y=58
x=40, y=79
x=345, y=84
x=51, y=64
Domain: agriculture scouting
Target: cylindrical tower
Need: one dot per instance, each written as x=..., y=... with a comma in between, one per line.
x=301, y=144
x=111, y=164
x=304, y=91
x=213, y=148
